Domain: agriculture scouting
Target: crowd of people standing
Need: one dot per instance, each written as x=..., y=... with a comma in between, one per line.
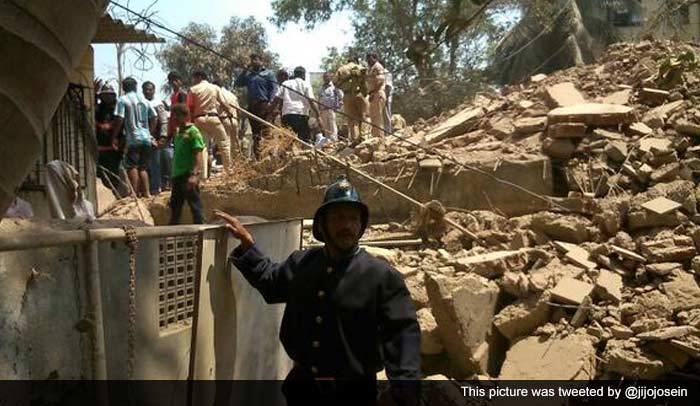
x=148, y=145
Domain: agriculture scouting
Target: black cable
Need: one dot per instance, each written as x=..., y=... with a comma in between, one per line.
x=150, y=21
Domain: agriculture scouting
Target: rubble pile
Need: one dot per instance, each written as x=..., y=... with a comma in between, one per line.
x=602, y=285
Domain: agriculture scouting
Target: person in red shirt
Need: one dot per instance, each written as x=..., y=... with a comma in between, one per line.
x=179, y=96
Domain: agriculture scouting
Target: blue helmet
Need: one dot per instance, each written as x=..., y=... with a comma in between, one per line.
x=339, y=192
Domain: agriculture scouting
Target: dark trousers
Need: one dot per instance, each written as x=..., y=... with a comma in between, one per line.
x=180, y=193
x=301, y=389
x=110, y=161
x=299, y=124
x=258, y=108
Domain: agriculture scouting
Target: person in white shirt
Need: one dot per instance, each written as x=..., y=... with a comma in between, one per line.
x=331, y=99
x=295, y=96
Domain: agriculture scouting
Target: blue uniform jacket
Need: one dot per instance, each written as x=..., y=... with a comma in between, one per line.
x=346, y=320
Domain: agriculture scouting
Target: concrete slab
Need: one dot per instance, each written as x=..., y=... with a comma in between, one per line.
x=533, y=358
x=570, y=290
x=563, y=95
x=662, y=205
x=619, y=97
x=608, y=286
x=592, y=114
x=462, y=122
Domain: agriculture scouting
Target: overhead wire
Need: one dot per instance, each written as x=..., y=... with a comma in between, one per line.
x=150, y=22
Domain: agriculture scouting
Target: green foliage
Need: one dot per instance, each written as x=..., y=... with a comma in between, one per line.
x=434, y=47
x=237, y=40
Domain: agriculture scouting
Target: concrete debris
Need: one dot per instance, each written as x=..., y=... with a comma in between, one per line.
x=558, y=358
x=668, y=248
x=493, y=264
x=663, y=269
x=567, y=130
x=523, y=317
x=571, y=291
x=686, y=127
x=653, y=96
x=563, y=95
x=606, y=249
x=682, y=291
x=592, y=114
x=529, y=125
x=666, y=349
x=668, y=333
x=460, y=123
x=538, y=78
x=661, y=205
x=608, y=286
x=632, y=361
x=464, y=309
x=430, y=343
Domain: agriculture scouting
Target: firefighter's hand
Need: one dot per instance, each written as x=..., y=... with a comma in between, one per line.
x=237, y=229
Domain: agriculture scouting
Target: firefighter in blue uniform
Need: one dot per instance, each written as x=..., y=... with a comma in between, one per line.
x=347, y=315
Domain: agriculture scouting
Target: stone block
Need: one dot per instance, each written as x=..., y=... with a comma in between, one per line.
x=523, y=317
x=430, y=343
x=563, y=95
x=661, y=205
x=592, y=114
x=653, y=96
x=682, y=291
x=558, y=148
x=463, y=309
x=688, y=128
x=631, y=361
x=567, y=130
x=616, y=151
x=462, y=122
x=571, y=291
x=669, y=248
x=530, y=125
x=558, y=358
x=493, y=264
x=608, y=286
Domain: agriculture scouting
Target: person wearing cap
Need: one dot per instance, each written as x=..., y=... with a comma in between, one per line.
x=109, y=150
x=348, y=314
x=350, y=78
x=296, y=98
x=376, y=82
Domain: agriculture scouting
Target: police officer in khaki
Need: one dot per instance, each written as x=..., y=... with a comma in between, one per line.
x=376, y=82
x=348, y=314
x=204, y=104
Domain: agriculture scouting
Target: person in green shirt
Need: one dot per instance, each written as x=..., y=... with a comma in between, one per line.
x=187, y=159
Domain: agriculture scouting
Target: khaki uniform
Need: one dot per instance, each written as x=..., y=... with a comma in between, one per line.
x=350, y=78
x=229, y=118
x=377, y=99
x=205, y=99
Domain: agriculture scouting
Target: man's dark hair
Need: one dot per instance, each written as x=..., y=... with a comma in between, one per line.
x=180, y=109
x=129, y=84
x=174, y=76
x=200, y=74
x=146, y=84
x=372, y=54
x=300, y=72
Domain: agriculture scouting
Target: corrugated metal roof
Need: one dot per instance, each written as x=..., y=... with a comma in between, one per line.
x=114, y=31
